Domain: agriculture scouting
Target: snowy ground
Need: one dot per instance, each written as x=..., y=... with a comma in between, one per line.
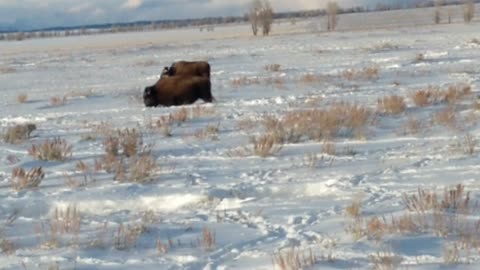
x=254, y=206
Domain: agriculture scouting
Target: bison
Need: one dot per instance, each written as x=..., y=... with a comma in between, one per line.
x=184, y=68
x=178, y=90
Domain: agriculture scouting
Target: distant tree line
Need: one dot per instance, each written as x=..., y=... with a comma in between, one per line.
x=263, y=9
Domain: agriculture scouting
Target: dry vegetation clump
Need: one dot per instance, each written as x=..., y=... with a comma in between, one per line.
x=22, y=179
x=420, y=57
x=309, y=78
x=127, y=237
x=277, y=82
x=469, y=144
x=422, y=97
x=54, y=150
x=272, y=67
x=366, y=73
x=127, y=157
x=246, y=124
x=393, y=105
x=7, y=246
x=180, y=115
x=329, y=148
x=446, y=117
x=244, y=81
x=208, y=239
x=58, y=101
x=265, y=145
x=294, y=259
x=443, y=215
x=384, y=46
x=468, y=10
x=199, y=111
x=80, y=93
x=22, y=98
x=146, y=63
x=209, y=132
x=18, y=133
x=164, y=125
x=385, y=260
x=5, y=70
x=475, y=41
x=339, y=119
x=66, y=220
x=413, y=125
x=456, y=92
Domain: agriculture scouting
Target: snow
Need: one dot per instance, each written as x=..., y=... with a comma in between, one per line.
x=254, y=206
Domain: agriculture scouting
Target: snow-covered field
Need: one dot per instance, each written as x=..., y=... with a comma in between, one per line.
x=208, y=181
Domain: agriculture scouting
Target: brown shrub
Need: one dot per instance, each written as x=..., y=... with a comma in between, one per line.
x=391, y=105
x=209, y=132
x=58, y=101
x=142, y=168
x=423, y=97
x=272, y=67
x=294, y=259
x=18, y=133
x=23, y=180
x=66, y=220
x=413, y=125
x=265, y=145
x=366, y=73
x=446, y=117
x=309, y=78
x=420, y=57
x=456, y=92
x=208, y=239
x=56, y=149
x=244, y=81
x=22, y=98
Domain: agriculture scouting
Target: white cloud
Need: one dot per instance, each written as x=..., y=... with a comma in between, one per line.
x=132, y=4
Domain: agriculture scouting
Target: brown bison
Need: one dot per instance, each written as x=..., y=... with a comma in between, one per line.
x=178, y=90
x=184, y=68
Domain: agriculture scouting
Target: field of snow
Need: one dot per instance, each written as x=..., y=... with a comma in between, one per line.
x=212, y=202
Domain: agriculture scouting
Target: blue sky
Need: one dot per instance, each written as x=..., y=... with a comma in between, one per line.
x=28, y=14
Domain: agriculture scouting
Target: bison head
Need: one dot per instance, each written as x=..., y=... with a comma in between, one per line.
x=150, y=97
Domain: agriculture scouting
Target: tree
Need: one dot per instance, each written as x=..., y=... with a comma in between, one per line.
x=253, y=15
x=332, y=20
x=468, y=10
x=266, y=17
x=260, y=14
x=437, y=17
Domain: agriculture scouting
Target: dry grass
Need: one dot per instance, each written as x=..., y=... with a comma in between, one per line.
x=338, y=119
x=142, y=168
x=294, y=259
x=208, y=239
x=6, y=246
x=310, y=78
x=272, y=67
x=385, y=260
x=164, y=125
x=18, y=133
x=451, y=254
x=58, y=101
x=24, y=180
x=413, y=125
x=6, y=70
x=329, y=148
x=209, y=132
x=393, y=105
x=422, y=97
x=56, y=150
x=199, y=111
x=265, y=145
x=146, y=63
x=130, y=141
x=246, y=124
x=366, y=73
x=456, y=92
x=22, y=98
x=469, y=144
x=244, y=81
x=277, y=82
x=420, y=57
x=66, y=220
x=127, y=237
x=446, y=117
x=354, y=210
x=180, y=115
